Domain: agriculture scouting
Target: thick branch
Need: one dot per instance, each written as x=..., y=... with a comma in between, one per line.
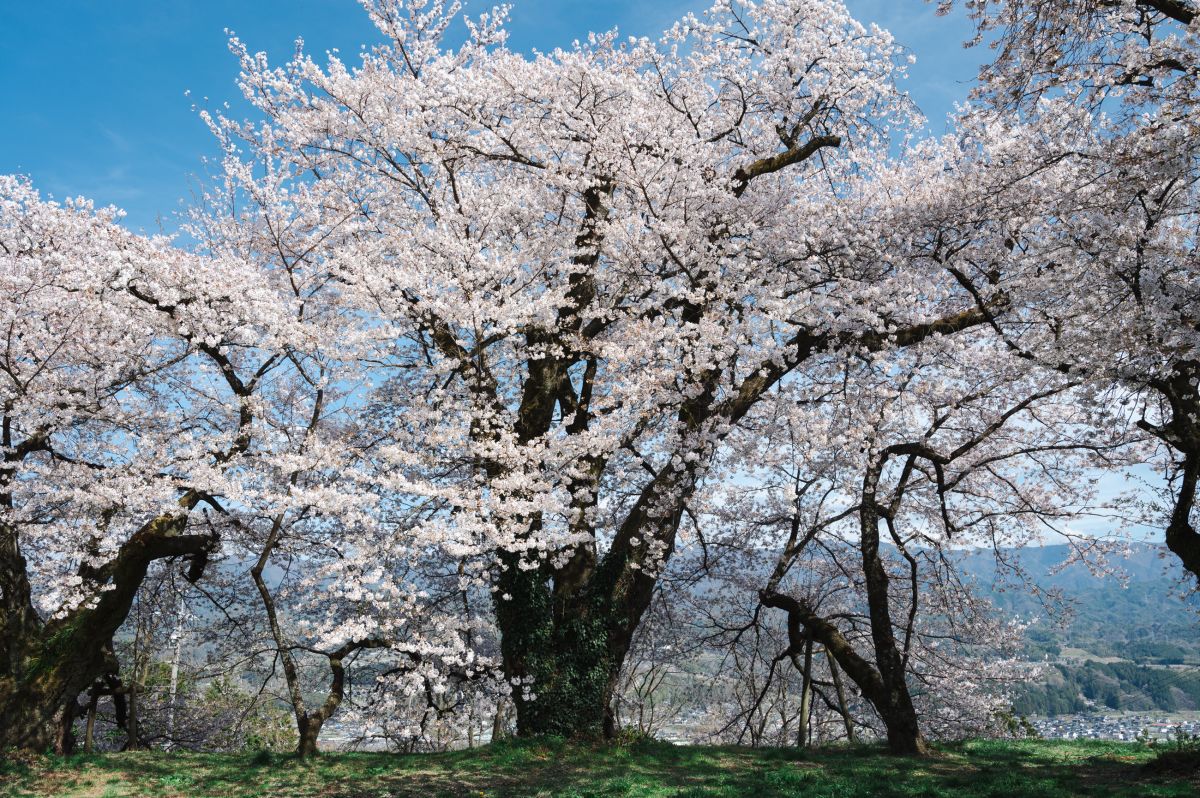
x=1178, y=10
x=860, y=670
x=775, y=163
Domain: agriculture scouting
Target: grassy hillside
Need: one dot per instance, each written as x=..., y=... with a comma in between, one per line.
x=550, y=768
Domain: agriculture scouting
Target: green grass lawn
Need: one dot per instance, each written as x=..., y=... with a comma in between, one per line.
x=554, y=768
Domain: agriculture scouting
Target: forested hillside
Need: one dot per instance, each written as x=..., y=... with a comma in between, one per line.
x=1127, y=641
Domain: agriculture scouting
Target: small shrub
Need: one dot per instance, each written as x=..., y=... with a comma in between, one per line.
x=632, y=738
x=1178, y=756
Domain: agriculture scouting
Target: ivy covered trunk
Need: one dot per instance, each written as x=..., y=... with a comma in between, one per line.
x=565, y=631
x=563, y=652
x=562, y=661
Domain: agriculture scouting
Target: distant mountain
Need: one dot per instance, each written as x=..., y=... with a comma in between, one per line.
x=1146, y=563
x=1151, y=618
x=1131, y=646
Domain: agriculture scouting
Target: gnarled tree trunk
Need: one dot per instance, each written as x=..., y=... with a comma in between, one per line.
x=48, y=664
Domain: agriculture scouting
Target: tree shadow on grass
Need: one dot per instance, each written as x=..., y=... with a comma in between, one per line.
x=654, y=769
x=554, y=769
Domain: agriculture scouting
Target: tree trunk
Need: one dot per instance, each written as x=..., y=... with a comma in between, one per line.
x=89, y=738
x=31, y=701
x=565, y=634
x=1182, y=538
x=903, y=731
x=37, y=703
x=805, y=693
x=31, y=719
x=500, y=721
x=843, y=708
x=896, y=709
x=1181, y=432
x=308, y=722
x=899, y=716
x=309, y=728
x=132, y=743
x=565, y=664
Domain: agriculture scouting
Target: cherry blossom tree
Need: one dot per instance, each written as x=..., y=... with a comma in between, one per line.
x=870, y=501
x=581, y=271
x=1098, y=103
x=338, y=578
x=124, y=407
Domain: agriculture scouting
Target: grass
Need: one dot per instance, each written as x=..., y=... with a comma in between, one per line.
x=646, y=770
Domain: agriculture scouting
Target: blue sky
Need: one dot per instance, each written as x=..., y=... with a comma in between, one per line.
x=93, y=92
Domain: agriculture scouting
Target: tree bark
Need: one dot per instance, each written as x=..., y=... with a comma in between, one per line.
x=1182, y=433
x=1181, y=535
x=500, y=721
x=896, y=710
x=89, y=737
x=309, y=729
x=805, y=693
x=132, y=742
